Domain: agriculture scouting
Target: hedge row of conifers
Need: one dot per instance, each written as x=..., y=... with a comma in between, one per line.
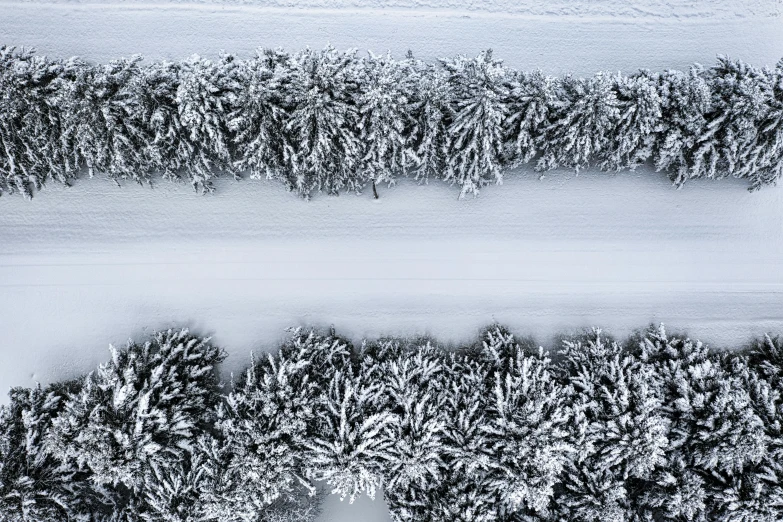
x=331, y=121
x=655, y=428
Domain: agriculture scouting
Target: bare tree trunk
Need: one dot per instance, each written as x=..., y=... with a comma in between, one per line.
x=374, y=191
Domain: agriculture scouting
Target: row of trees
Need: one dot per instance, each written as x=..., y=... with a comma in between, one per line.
x=657, y=428
x=331, y=121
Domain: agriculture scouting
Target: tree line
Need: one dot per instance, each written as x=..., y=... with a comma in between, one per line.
x=336, y=121
x=653, y=428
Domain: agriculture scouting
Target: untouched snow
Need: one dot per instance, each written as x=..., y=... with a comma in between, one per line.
x=637, y=8
x=579, y=40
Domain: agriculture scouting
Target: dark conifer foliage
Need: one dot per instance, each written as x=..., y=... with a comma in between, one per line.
x=336, y=121
x=657, y=428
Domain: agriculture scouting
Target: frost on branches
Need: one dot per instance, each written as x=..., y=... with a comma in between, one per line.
x=656, y=428
x=336, y=121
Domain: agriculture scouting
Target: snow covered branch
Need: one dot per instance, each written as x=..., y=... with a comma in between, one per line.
x=654, y=428
x=332, y=121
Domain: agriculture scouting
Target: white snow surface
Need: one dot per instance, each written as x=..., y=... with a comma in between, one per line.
x=85, y=266
x=583, y=37
x=607, y=8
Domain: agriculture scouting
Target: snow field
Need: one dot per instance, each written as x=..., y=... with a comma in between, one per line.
x=94, y=264
x=555, y=44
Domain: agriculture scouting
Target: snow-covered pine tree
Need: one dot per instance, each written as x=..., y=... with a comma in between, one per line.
x=639, y=102
x=349, y=448
x=622, y=427
x=581, y=124
x=260, y=114
x=527, y=430
x=716, y=435
x=35, y=486
x=740, y=99
x=431, y=119
x=170, y=148
x=174, y=492
x=30, y=151
x=685, y=101
x=263, y=426
x=412, y=388
x=206, y=98
x=478, y=97
x=257, y=461
x=99, y=117
x=764, y=163
x=531, y=97
x=386, y=91
x=301, y=507
x=139, y=415
x=466, y=493
x=323, y=123
x=757, y=493
x=766, y=359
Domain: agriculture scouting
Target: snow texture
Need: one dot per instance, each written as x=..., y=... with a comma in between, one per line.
x=96, y=262
x=555, y=44
x=724, y=9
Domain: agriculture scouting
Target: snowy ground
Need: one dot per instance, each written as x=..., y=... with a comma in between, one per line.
x=94, y=264
x=584, y=38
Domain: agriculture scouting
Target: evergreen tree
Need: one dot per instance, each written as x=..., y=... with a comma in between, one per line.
x=764, y=161
x=35, y=486
x=531, y=98
x=170, y=148
x=264, y=425
x=174, y=492
x=384, y=104
x=740, y=98
x=323, y=123
x=259, y=118
x=100, y=124
x=431, y=119
x=206, y=97
x=349, y=448
x=139, y=415
x=632, y=141
x=582, y=122
x=478, y=96
x=528, y=441
x=623, y=428
x=412, y=385
x=685, y=103
x=716, y=435
x=467, y=491
x=757, y=493
x=30, y=149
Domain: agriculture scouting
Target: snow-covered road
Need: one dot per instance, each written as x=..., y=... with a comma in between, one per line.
x=94, y=264
x=568, y=36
